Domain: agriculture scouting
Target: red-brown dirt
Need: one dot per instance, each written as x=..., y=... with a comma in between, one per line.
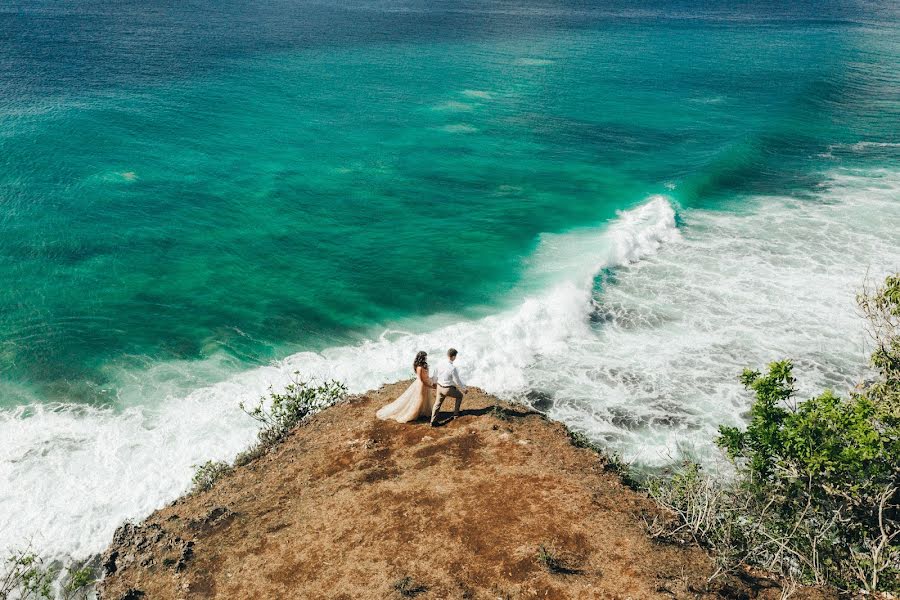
x=349, y=507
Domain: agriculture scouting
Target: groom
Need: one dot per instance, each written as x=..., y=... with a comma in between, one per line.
x=447, y=383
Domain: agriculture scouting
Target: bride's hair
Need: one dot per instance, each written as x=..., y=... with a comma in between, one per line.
x=421, y=361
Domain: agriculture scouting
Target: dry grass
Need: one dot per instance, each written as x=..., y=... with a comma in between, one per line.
x=349, y=507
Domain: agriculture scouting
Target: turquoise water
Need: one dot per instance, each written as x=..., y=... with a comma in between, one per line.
x=191, y=191
x=268, y=199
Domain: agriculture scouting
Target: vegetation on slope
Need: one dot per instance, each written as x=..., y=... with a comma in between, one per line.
x=816, y=490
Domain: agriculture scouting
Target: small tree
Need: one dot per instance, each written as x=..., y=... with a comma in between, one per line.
x=825, y=460
x=26, y=577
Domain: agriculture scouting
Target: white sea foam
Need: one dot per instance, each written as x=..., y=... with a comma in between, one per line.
x=647, y=361
x=479, y=94
x=454, y=106
x=865, y=145
x=533, y=62
x=708, y=100
x=673, y=332
x=459, y=128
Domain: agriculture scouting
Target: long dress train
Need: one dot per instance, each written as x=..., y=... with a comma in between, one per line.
x=416, y=401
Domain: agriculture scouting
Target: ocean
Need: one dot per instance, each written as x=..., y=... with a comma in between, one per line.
x=610, y=209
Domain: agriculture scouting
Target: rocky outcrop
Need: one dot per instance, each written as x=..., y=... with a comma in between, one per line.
x=496, y=504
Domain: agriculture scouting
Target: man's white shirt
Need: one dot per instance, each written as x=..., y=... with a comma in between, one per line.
x=446, y=374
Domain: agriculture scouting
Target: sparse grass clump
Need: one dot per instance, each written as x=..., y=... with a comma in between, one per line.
x=208, y=474
x=580, y=440
x=554, y=562
x=627, y=474
x=547, y=559
x=612, y=462
x=408, y=588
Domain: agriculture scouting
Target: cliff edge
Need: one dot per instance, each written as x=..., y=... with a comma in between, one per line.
x=496, y=504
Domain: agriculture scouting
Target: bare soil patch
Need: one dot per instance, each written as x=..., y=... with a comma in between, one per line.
x=352, y=507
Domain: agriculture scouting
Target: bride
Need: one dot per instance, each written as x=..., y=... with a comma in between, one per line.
x=416, y=401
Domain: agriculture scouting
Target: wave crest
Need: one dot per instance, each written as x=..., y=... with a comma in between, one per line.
x=126, y=463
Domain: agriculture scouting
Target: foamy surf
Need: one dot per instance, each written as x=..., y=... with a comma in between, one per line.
x=673, y=332
x=79, y=472
x=644, y=359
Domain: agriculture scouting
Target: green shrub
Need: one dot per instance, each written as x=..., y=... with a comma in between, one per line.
x=815, y=493
x=828, y=467
x=843, y=445
x=208, y=474
x=281, y=412
x=880, y=305
x=25, y=576
x=814, y=497
x=78, y=582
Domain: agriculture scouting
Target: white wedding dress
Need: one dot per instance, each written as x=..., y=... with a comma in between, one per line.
x=416, y=401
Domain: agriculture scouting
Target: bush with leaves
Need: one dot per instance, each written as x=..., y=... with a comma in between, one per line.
x=880, y=305
x=815, y=494
x=25, y=576
x=281, y=412
x=824, y=465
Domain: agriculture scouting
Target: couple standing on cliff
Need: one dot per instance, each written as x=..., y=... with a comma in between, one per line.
x=416, y=400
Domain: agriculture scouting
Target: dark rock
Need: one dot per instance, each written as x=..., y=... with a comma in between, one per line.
x=187, y=551
x=217, y=516
x=132, y=594
x=109, y=563
x=124, y=534
x=540, y=401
